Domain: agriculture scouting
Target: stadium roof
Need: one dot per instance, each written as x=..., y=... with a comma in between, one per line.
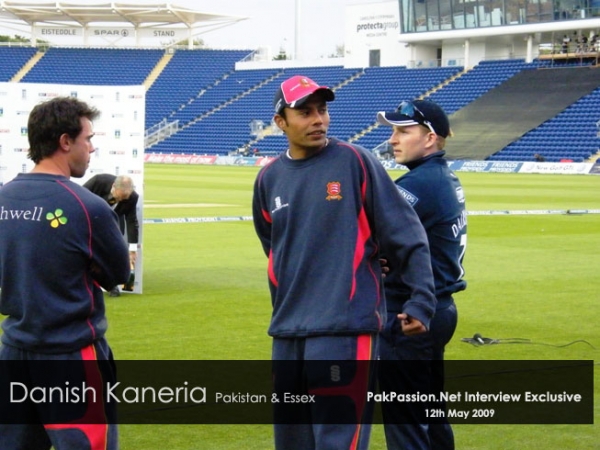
x=151, y=14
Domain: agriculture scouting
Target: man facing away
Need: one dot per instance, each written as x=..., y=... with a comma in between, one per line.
x=59, y=244
x=324, y=211
x=419, y=133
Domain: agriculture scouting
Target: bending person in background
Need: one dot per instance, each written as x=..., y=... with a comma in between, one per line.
x=119, y=193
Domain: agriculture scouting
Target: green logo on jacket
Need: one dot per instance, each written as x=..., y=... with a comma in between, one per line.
x=56, y=218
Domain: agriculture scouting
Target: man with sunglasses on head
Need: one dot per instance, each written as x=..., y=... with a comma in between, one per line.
x=419, y=132
x=323, y=211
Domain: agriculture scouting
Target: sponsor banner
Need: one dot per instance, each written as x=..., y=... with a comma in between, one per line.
x=583, y=211
x=241, y=161
x=263, y=160
x=199, y=219
x=154, y=157
x=456, y=166
x=228, y=160
x=162, y=158
x=390, y=164
x=595, y=168
x=203, y=159
x=466, y=166
x=110, y=32
x=177, y=159
x=507, y=167
x=517, y=212
x=469, y=213
x=566, y=168
x=470, y=166
x=520, y=167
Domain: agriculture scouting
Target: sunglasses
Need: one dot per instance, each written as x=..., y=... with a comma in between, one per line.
x=410, y=110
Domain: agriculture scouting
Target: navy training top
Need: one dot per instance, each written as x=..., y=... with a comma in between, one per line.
x=59, y=243
x=437, y=196
x=323, y=222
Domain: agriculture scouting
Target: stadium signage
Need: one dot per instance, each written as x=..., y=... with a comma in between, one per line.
x=170, y=33
x=48, y=94
x=568, y=168
x=57, y=31
x=382, y=23
x=203, y=159
x=163, y=33
x=109, y=32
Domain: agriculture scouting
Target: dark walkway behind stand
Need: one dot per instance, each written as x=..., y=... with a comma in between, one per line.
x=517, y=106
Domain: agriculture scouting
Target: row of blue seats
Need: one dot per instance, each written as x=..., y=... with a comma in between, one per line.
x=384, y=79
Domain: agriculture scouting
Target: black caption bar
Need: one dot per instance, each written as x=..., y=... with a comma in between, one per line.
x=261, y=392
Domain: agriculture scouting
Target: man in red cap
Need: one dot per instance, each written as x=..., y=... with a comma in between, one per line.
x=325, y=211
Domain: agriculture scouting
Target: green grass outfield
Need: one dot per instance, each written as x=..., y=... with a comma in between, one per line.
x=205, y=293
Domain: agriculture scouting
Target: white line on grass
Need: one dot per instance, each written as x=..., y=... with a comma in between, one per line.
x=470, y=213
x=187, y=205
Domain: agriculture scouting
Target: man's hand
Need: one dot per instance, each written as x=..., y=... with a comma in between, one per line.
x=410, y=325
x=384, y=267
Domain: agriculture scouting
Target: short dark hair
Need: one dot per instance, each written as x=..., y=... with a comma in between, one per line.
x=48, y=121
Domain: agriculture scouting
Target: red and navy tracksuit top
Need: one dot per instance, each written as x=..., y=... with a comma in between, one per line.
x=324, y=222
x=58, y=244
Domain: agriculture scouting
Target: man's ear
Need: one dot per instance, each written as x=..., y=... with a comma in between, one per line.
x=64, y=141
x=432, y=139
x=280, y=122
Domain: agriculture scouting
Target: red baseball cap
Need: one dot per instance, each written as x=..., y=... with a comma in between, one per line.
x=294, y=91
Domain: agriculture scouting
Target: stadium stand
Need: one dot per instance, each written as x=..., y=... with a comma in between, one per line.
x=229, y=89
x=12, y=59
x=360, y=94
x=509, y=114
x=188, y=73
x=231, y=122
x=502, y=110
x=571, y=135
x=93, y=66
x=479, y=80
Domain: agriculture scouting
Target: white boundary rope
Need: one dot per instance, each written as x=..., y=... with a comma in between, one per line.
x=516, y=212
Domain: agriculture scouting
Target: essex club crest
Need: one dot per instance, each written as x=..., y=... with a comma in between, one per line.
x=334, y=190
